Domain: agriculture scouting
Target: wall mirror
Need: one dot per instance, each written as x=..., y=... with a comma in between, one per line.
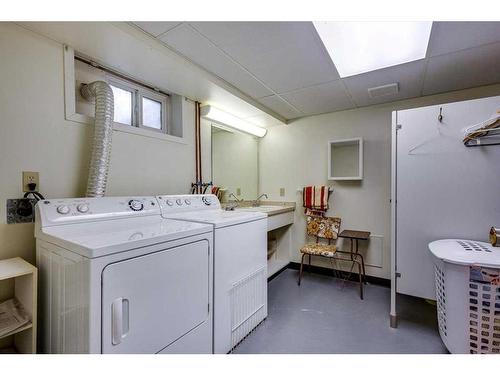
x=234, y=161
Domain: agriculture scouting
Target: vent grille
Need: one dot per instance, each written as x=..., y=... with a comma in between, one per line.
x=484, y=318
x=248, y=299
x=441, y=300
x=390, y=89
x=473, y=246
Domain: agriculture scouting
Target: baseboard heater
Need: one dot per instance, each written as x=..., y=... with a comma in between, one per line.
x=248, y=298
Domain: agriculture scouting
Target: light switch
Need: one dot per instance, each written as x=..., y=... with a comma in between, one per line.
x=238, y=191
x=30, y=178
x=282, y=192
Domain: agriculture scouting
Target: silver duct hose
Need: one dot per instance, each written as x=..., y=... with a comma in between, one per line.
x=103, y=133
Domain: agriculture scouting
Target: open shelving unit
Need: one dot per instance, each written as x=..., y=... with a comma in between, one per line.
x=21, y=279
x=345, y=159
x=279, y=244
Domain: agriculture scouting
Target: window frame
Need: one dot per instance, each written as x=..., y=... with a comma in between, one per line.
x=175, y=105
x=139, y=92
x=121, y=84
x=164, y=100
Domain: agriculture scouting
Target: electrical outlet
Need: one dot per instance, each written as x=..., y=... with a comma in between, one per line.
x=238, y=191
x=282, y=192
x=30, y=178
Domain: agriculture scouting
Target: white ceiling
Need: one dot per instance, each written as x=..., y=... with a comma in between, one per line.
x=285, y=67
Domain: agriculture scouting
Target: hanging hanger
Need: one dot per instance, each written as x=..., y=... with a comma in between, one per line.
x=439, y=137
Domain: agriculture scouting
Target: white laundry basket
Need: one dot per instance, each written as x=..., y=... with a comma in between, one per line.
x=468, y=295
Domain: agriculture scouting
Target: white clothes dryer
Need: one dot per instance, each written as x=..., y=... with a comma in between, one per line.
x=116, y=277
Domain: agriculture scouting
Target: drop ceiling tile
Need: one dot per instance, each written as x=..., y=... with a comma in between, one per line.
x=281, y=107
x=284, y=55
x=327, y=97
x=449, y=37
x=409, y=77
x=156, y=28
x=468, y=68
x=187, y=41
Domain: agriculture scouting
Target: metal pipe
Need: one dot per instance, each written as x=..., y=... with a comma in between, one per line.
x=103, y=132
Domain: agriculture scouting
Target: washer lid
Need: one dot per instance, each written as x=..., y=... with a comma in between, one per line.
x=466, y=252
x=97, y=239
x=219, y=218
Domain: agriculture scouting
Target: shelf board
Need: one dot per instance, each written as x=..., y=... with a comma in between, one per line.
x=14, y=267
x=20, y=329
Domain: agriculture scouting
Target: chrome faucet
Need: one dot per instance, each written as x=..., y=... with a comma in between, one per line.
x=256, y=202
x=235, y=198
x=232, y=206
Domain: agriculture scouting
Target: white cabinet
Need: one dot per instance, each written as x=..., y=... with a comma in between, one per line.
x=345, y=159
x=21, y=277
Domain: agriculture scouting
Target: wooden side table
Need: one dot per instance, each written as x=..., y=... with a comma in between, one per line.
x=354, y=236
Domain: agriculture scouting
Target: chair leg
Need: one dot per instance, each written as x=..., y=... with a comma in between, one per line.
x=301, y=267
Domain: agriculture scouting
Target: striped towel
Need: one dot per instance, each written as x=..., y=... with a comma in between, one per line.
x=217, y=191
x=315, y=198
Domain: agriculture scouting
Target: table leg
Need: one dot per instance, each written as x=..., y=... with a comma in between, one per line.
x=362, y=261
x=360, y=281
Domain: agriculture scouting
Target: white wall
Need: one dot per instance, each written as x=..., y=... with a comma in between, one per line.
x=235, y=163
x=34, y=135
x=206, y=150
x=295, y=155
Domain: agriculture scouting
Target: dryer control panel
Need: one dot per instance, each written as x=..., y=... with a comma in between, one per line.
x=188, y=202
x=74, y=210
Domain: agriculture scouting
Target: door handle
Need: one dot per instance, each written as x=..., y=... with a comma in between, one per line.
x=119, y=320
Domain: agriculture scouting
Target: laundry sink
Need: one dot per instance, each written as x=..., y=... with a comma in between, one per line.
x=262, y=208
x=278, y=215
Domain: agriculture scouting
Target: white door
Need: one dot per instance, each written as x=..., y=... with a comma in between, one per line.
x=444, y=189
x=150, y=301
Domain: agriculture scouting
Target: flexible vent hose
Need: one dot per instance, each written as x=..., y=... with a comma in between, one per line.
x=103, y=132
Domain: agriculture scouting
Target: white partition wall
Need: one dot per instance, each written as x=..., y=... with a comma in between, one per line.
x=440, y=188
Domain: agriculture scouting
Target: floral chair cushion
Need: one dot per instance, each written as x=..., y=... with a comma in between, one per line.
x=319, y=249
x=323, y=227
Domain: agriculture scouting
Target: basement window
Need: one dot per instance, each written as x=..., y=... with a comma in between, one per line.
x=123, y=113
x=139, y=108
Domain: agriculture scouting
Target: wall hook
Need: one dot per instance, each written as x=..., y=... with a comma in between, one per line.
x=440, y=117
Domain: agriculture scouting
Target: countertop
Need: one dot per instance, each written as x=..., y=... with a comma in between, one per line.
x=271, y=208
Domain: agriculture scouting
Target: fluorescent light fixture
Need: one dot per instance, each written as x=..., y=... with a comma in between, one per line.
x=227, y=119
x=360, y=47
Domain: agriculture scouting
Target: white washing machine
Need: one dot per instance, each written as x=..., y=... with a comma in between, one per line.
x=240, y=263
x=116, y=277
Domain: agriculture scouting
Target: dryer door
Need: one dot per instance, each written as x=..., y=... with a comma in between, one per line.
x=150, y=301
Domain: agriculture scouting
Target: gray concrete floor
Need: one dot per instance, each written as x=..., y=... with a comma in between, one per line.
x=321, y=316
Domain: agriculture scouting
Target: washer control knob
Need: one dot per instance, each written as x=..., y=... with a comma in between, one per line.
x=82, y=208
x=63, y=209
x=206, y=200
x=169, y=202
x=179, y=202
x=135, y=205
x=187, y=201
